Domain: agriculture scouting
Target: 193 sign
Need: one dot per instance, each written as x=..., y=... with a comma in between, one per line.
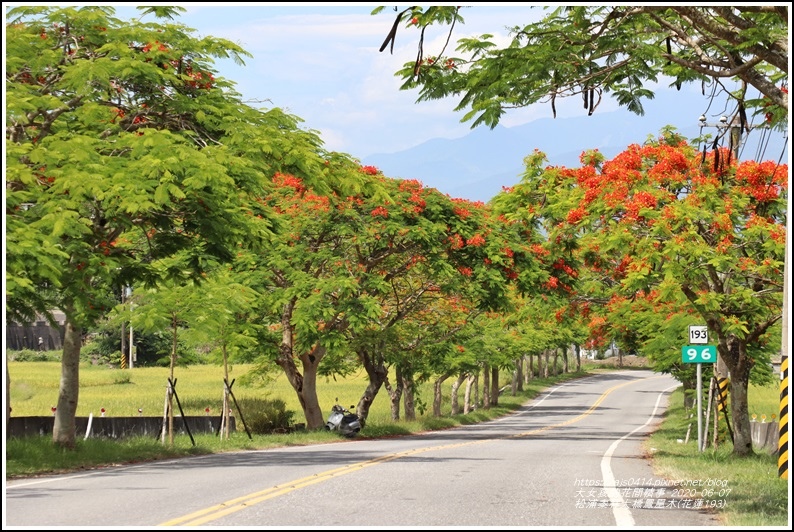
x=698, y=334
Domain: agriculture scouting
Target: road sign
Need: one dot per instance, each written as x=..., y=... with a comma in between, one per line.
x=698, y=334
x=704, y=354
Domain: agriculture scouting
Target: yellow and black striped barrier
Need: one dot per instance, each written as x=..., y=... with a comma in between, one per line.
x=722, y=386
x=722, y=401
x=782, y=447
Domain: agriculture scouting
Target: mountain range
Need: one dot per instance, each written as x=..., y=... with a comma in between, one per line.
x=477, y=165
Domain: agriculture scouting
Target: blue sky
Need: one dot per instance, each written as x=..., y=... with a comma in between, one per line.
x=321, y=62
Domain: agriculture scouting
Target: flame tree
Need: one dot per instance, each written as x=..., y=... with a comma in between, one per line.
x=662, y=223
x=123, y=148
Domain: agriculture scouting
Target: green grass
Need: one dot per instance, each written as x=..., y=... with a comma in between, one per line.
x=757, y=495
x=757, y=498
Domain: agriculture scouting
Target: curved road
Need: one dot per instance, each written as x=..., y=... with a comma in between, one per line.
x=571, y=457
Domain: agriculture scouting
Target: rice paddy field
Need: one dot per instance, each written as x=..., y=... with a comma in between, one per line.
x=122, y=392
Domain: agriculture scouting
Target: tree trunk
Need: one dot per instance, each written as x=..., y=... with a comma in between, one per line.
x=409, y=395
x=377, y=373
x=546, y=366
x=467, y=405
x=225, y=414
x=688, y=386
x=564, y=359
x=554, y=365
x=305, y=385
x=476, y=399
x=8, y=398
x=739, y=364
x=531, y=372
x=437, y=395
x=518, y=376
x=494, y=385
x=578, y=352
x=486, y=386
x=311, y=404
x=395, y=394
x=63, y=430
x=453, y=397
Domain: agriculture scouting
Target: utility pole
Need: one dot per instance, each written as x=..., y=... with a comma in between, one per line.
x=124, y=363
x=131, y=356
x=720, y=368
x=735, y=139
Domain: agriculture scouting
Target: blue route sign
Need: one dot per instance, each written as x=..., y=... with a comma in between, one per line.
x=700, y=354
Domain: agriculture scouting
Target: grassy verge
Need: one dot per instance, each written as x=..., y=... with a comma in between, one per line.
x=745, y=491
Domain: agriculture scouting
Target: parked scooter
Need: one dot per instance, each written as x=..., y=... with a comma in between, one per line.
x=343, y=421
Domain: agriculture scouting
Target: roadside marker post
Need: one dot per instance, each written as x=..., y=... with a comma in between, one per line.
x=699, y=354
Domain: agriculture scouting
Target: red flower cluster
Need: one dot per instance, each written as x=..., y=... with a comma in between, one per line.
x=461, y=212
x=539, y=250
x=380, y=211
x=476, y=241
x=762, y=181
x=575, y=215
x=156, y=44
x=289, y=180
x=370, y=170
x=455, y=241
x=560, y=265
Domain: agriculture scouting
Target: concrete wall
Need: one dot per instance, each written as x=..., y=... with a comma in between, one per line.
x=115, y=427
x=764, y=435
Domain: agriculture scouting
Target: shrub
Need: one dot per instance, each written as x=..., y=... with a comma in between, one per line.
x=93, y=353
x=122, y=376
x=265, y=416
x=30, y=355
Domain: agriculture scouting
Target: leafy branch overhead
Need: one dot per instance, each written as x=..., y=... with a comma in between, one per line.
x=597, y=51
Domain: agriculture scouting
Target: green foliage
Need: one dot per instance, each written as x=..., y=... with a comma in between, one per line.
x=668, y=238
x=591, y=52
x=265, y=416
x=31, y=355
x=95, y=352
x=128, y=162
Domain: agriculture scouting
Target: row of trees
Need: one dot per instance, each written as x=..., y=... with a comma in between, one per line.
x=620, y=52
x=130, y=162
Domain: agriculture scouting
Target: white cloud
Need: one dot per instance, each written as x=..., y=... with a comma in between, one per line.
x=321, y=62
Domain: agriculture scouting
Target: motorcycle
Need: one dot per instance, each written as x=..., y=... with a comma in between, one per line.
x=343, y=421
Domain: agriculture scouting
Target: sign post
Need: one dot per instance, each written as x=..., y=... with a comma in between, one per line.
x=699, y=354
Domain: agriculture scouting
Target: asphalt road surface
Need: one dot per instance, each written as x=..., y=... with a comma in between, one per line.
x=572, y=457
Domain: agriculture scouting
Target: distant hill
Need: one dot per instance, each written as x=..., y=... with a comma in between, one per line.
x=478, y=165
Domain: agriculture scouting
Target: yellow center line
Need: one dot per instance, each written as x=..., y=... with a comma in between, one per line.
x=580, y=416
x=217, y=511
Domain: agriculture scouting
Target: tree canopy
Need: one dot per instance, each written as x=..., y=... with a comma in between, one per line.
x=604, y=51
x=665, y=227
x=123, y=149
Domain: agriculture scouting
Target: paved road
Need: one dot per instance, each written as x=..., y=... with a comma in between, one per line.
x=572, y=457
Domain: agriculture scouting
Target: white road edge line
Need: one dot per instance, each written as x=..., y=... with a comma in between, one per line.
x=620, y=509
